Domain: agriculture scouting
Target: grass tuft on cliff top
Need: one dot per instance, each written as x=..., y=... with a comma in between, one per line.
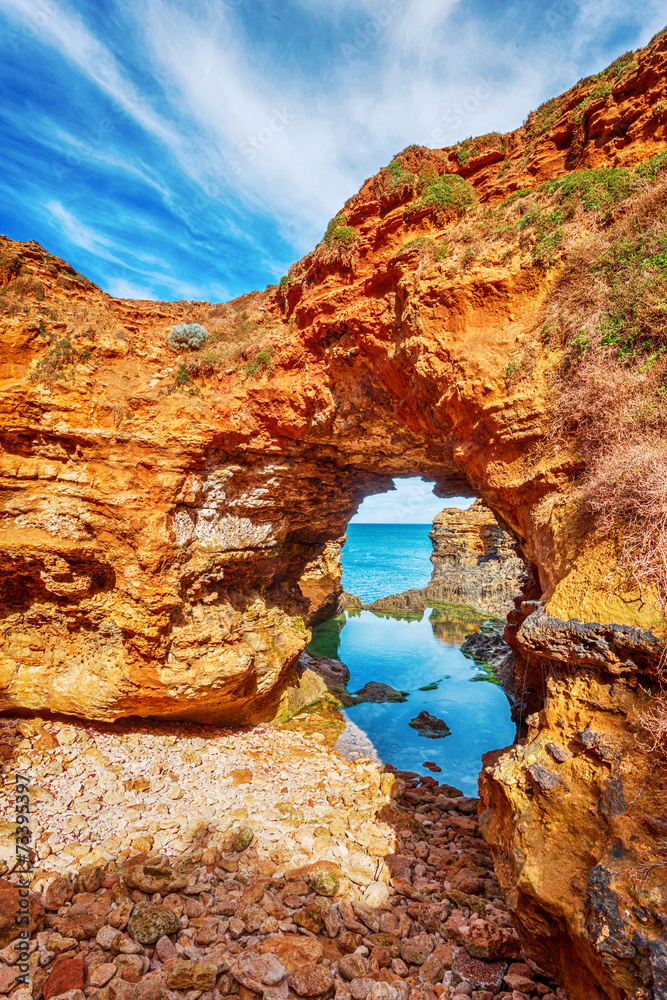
x=447, y=196
x=339, y=245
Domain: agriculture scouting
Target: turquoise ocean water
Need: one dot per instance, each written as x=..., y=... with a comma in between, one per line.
x=409, y=654
x=383, y=559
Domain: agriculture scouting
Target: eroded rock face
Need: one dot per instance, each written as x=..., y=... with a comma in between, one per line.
x=474, y=561
x=568, y=815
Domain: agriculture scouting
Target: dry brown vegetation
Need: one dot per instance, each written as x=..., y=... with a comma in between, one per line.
x=241, y=336
x=609, y=317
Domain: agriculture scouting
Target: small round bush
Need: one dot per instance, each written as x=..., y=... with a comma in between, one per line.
x=187, y=337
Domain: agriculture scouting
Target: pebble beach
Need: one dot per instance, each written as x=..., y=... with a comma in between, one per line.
x=173, y=861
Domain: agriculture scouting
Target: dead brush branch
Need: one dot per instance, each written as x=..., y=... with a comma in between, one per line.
x=653, y=721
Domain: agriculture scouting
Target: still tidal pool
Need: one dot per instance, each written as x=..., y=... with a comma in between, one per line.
x=410, y=654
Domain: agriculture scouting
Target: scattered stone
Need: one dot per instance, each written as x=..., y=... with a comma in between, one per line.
x=430, y=765
x=90, y=879
x=325, y=882
x=309, y=917
x=59, y=944
x=241, y=776
x=150, y=921
x=7, y=978
x=293, y=951
x=58, y=892
x=119, y=989
x=244, y=839
x=415, y=950
x=255, y=971
x=119, y=917
x=478, y=973
x=311, y=980
x=376, y=894
x=352, y=966
x=483, y=939
x=430, y=726
x=523, y=984
x=189, y=975
x=472, y=902
x=361, y=988
x=154, y=989
x=66, y=974
x=154, y=875
x=100, y=974
x=165, y=949
x=130, y=967
x=368, y=915
x=10, y=897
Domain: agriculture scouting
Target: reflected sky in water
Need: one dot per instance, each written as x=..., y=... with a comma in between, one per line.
x=409, y=654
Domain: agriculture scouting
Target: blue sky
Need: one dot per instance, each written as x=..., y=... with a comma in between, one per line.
x=195, y=149
x=412, y=502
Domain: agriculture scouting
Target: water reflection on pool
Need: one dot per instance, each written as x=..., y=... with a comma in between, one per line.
x=410, y=654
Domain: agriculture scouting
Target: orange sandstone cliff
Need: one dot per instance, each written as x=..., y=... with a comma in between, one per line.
x=171, y=523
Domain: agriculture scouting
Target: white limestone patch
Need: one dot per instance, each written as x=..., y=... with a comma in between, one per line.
x=56, y=523
x=206, y=514
x=223, y=531
x=184, y=527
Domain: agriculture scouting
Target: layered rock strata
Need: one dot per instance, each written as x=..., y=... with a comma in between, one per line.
x=162, y=523
x=474, y=561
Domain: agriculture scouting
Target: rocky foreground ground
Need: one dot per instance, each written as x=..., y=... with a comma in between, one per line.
x=179, y=862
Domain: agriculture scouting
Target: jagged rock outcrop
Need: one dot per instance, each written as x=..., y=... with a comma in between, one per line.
x=489, y=648
x=159, y=511
x=568, y=813
x=320, y=583
x=407, y=602
x=474, y=560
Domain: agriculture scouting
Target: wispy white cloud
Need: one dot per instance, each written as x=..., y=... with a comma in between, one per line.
x=412, y=502
x=68, y=34
x=123, y=289
x=80, y=234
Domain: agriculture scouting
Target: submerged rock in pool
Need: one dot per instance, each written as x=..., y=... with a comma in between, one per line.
x=430, y=726
x=375, y=692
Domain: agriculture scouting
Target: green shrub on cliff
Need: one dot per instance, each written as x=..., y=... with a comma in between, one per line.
x=595, y=189
x=339, y=245
x=472, y=146
x=259, y=364
x=544, y=117
x=338, y=234
x=187, y=337
x=425, y=248
x=398, y=176
x=448, y=196
x=52, y=366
